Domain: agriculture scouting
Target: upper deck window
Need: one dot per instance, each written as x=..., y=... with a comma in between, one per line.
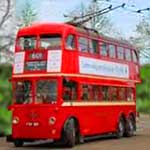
x=112, y=52
x=83, y=44
x=128, y=55
x=50, y=41
x=70, y=42
x=93, y=46
x=103, y=49
x=26, y=43
x=120, y=52
x=134, y=56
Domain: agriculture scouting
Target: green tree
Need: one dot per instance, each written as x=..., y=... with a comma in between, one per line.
x=141, y=39
x=7, y=35
x=143, y=90
x=101, y=23
x=8, y=26
x=28, y=14
x=5, y=99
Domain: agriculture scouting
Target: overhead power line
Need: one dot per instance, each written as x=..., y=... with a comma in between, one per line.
x=127, y=7
x=82, y=19
x=145, y=54
x=90, y=14
x=110, y=8
x=85, y=18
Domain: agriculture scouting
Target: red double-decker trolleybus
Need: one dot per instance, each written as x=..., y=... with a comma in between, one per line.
x=70, y=83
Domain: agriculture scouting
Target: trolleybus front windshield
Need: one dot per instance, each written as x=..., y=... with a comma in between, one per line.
x=46, y=42
x=22, y=92
x=45, y=92
x=26, y=43
x=50, y=41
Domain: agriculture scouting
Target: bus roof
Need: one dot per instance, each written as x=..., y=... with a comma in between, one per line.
x=35, y=29
x=44, y=28
x=95, y=33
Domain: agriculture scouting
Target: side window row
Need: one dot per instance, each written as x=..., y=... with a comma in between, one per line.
x=92, y=46
x=106, y=93
x=96, y=92
x=86, y=45
x=119, y=52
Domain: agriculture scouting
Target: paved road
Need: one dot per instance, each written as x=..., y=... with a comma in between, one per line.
x=139, y=142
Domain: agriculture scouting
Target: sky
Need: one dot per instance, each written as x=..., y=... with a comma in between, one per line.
x=123, y=20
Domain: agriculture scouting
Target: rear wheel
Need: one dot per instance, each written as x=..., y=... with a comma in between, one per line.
x=69, y=133
x=120, y=128
x=18, y=143
x=130, y=127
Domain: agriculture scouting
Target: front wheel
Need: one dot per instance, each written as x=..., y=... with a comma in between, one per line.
x=69, y=133
x=18, y=143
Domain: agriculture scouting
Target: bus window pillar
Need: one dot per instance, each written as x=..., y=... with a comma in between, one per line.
x=60, y=90
x=79, y=88
x=33, y=88
x=134, y=94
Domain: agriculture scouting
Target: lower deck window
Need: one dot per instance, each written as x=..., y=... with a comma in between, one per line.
x=85, y=92
x=22, y=92
x=113, y=93
x=122, y=94
x=106, y=93
x=130, y=94
x=46, y=91
x=69, y=90
x=96, y=92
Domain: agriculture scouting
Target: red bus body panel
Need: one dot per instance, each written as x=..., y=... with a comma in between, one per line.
x=93, y=120
x=94, y=117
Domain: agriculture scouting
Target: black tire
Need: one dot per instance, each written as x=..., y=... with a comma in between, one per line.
x=69, y=133
x=120, y=128
x=18, y=143
x=79, y=138
x=130, y=127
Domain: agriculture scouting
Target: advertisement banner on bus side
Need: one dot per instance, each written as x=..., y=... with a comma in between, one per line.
x=54, y=61
x=19, y=62
x=100, y=67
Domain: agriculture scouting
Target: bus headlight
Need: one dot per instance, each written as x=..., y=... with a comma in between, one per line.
x=52, y=120
x=15, y=120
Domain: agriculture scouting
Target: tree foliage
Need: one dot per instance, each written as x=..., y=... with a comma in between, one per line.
x=7, y=36
x=143, y=94
x=141, y=40
x=5, y=99
x=7, y=30
x=28, y=15
x=101, y=23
